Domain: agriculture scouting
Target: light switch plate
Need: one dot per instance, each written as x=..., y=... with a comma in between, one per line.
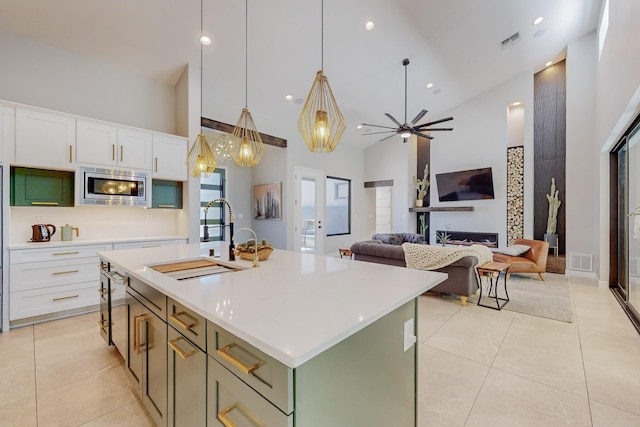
x=409, y=335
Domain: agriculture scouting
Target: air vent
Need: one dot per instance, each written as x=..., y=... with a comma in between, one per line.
x=510, y=40
x=580, y=262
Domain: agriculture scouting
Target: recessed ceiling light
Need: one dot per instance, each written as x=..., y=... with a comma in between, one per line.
x=359, y=127
x=429, y=85
x=370, y=25
x=548, y=63
x=205, y=40
x=515, y=104
x=538, y=20
x=288, y=97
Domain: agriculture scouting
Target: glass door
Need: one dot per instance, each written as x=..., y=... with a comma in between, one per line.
x=633, y=219
x=622, y=212
x=309, y=211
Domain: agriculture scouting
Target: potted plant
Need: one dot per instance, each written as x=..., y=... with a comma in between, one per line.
x=422, y=186
x=247, y=250
x=443, y=237
x=552, y=221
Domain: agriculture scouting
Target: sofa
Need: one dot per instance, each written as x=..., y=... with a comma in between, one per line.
x=525, y=256
x=462, y=275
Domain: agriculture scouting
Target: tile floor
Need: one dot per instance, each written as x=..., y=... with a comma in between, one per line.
x=478, y=367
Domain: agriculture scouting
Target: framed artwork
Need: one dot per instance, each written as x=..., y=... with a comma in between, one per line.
x=267, y=201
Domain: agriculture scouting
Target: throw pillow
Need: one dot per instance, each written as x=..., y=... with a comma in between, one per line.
x=513, y=250
x=388, y=238
x=413, y=238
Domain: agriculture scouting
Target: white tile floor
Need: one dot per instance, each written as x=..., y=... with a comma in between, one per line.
x=478, y=367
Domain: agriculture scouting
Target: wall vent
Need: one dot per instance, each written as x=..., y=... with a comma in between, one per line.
x=509, y=40
x=580, y=262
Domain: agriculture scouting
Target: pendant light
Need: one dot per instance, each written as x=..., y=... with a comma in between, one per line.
x=200, y=160
x=321, y=123
x=246, y=144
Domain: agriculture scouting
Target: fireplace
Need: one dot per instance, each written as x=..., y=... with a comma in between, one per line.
x=469, y=238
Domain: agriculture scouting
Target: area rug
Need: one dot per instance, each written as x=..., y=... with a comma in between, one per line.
x=551, y=299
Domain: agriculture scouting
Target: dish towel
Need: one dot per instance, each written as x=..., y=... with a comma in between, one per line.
x=426, y=257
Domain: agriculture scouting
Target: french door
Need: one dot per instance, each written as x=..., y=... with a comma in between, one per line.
x=309, y=231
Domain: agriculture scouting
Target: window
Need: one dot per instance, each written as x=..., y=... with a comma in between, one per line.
x=212, y=187
x=338, y=202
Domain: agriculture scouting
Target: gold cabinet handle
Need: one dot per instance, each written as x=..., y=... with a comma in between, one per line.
x=166, y=206
x=103, y=291
x=225, y=353
x=65, y=272
x=44, y=203
x=224, y=418
x=113, y=151
x=190, y=323
x=156, y=164
x=71, y=154
x=137, y=345
x=182, y=353
x=121, y=152
x=65, y=253
x=63, y=298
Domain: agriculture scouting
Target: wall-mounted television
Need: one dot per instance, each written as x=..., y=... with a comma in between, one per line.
x=473, y=184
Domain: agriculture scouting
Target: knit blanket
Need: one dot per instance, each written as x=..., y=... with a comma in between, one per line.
x=426, y=257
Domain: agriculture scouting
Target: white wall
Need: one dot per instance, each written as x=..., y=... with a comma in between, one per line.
x=479, y=139
x=272, y=168
x=618, y=101
x=582, y=149
x=392, y=160
x=37, y=74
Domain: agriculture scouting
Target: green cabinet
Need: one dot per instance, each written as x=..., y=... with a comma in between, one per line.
x=39, y=187
x=166, y=194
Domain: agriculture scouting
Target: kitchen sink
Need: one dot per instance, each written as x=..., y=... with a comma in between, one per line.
x=195, y=268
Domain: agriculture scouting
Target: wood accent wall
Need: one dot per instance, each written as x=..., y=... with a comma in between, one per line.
x=549, y=123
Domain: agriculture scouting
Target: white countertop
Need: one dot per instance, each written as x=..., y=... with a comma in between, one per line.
x=80, y=241
x=294, y=306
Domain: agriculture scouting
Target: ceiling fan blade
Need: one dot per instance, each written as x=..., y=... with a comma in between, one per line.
x=378, y=133
x=435, y=122
x=386, y=138
x=418, y=117
x=423, y=135
x=430, y=129
x=392, y=119
x=378, y=126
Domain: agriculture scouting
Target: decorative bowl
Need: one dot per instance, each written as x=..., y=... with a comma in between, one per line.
x=263, y=254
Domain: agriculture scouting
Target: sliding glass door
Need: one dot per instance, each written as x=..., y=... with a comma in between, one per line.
x=633, y=220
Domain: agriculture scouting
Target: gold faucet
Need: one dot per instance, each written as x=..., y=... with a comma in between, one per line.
x=255, y=245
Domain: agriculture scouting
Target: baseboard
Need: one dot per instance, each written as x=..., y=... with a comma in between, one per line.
x=585, y=274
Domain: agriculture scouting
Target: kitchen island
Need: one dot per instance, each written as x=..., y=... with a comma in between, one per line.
x=301, y=340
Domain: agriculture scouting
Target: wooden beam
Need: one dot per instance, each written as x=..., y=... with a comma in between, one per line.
x=225, y=127
x=385, y=183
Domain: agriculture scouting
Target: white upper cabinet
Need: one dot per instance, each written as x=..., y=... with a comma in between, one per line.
x=97, y=143
x=134, y=149
x=169, y=155
x=45, y=139
x=108, y=145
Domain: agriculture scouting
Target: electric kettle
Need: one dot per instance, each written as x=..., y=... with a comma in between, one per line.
x=42, y=232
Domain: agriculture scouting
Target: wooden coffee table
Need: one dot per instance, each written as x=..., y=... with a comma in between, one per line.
x=493, y=271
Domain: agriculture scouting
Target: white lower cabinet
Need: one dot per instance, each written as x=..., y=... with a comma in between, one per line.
x=45, y=281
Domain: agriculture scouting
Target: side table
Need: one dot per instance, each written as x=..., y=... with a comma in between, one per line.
x=493, y=271
x=346, y=252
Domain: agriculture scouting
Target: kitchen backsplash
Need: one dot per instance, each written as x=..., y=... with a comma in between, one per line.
x=97, y=222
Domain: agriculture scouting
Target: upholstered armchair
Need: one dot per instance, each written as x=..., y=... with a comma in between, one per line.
x=532, y=261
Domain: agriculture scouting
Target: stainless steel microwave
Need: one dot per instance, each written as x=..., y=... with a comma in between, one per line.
x=109, y=187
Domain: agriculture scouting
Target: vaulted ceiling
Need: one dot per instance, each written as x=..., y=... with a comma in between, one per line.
x=456, y=44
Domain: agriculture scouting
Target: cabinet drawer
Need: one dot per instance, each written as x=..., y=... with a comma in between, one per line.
x=230, y=398
x=29, y=276
x=270, y=378
x=188, y=323
x=55, y=254
x=154, y=300
x=51, y=300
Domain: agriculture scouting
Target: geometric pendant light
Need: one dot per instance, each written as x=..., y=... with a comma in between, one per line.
x=246, y=145
x=321, y=123
x=200, y=160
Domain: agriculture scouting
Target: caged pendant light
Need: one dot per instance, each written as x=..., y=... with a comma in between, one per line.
x=246, y=145
x=200, y=160
x=321, y=123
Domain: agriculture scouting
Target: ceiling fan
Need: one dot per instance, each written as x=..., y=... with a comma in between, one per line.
x=407, y=129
